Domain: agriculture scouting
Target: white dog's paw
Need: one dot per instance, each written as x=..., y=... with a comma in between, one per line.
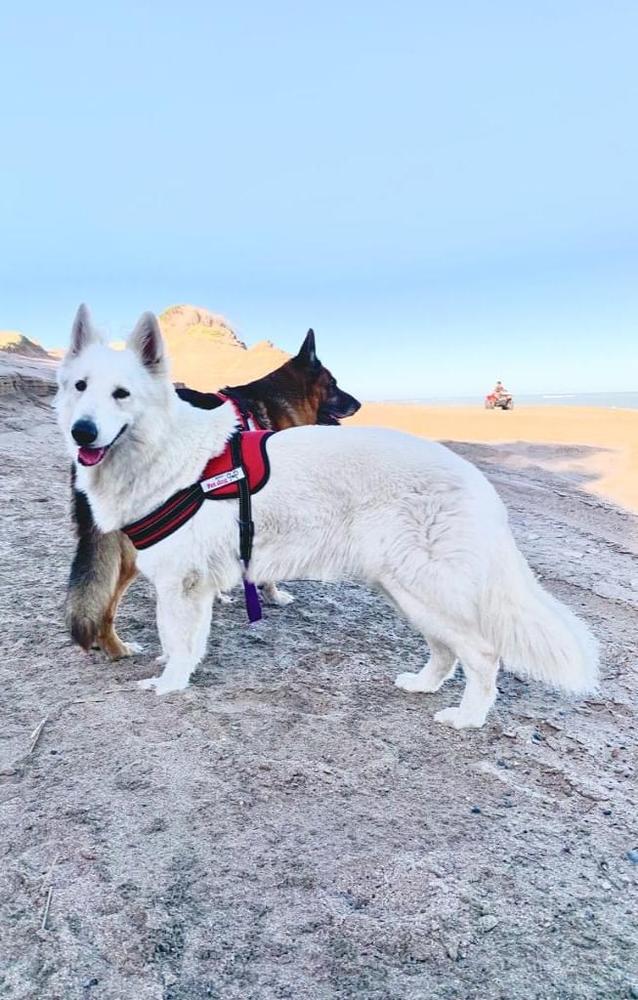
x=148, y=683
x=225, y=598
x=457, y=719
x=166, y=686
x=163, y=685
x=277, y=596
x=415, y=682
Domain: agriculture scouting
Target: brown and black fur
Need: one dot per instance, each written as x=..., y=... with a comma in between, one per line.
x=300, y=392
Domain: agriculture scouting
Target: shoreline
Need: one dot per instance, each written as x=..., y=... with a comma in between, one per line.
x=595, y=445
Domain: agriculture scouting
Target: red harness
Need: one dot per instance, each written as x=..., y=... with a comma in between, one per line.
x=241, y=470
x=242, y=467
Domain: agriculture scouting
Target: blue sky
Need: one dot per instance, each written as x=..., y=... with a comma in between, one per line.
x=446, y=192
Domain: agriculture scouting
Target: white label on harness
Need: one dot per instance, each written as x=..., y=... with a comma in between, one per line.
x=223, y=479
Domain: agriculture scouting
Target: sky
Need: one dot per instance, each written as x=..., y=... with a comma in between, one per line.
x=446, y=192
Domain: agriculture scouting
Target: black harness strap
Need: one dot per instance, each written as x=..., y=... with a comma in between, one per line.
x=246, y=525
x=246, y=531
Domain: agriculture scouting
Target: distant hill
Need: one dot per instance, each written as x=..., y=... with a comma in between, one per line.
x=189, y=323
x=206, y=353
x=14, y=342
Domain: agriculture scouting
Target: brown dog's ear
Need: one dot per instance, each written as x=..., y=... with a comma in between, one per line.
x=147, y=342
x=307, y=351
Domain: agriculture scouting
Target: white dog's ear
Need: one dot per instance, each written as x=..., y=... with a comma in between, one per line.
x=82, y=331
x=147, y=342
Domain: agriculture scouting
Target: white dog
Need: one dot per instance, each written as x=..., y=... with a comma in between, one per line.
x=399, y=513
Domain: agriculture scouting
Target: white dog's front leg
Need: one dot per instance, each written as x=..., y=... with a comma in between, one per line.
x=183, y=622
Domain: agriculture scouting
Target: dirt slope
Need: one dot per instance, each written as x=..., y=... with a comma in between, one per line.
x=293, y=825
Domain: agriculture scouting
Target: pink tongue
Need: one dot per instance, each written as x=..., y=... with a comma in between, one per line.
x=91, y=456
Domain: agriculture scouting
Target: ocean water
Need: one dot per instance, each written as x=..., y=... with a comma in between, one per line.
x=607, y=400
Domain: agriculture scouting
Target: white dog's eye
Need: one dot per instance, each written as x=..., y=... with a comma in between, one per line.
x=121, y=393
x=81, y=385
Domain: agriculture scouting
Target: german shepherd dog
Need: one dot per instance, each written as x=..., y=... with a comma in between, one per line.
x=301, y=391
x=401, y=514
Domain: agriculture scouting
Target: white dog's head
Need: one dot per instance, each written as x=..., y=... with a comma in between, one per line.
x=105, y=394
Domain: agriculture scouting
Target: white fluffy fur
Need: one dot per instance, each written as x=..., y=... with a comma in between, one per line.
x=401, y=514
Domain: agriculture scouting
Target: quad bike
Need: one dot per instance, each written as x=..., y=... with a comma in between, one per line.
x=502, y=402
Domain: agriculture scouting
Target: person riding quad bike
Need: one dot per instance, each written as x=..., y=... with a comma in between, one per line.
x=499, y=398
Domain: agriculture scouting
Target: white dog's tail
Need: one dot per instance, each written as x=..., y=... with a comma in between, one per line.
x=536, y=635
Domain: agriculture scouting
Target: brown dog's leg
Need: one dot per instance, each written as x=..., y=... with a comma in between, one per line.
x=108, y=639
x=102, y=569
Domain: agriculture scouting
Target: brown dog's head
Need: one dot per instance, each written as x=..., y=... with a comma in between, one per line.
x=329, y=403
x=302, y=391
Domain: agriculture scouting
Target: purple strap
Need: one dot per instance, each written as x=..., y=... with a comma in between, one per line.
x=253, y=604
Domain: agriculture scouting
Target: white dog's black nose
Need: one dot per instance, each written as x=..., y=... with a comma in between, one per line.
x=84, y=432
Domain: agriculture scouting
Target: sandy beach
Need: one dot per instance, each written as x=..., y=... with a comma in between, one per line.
x=596, y=447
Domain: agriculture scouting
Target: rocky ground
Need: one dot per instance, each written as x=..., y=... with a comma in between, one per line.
x=293, y=825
